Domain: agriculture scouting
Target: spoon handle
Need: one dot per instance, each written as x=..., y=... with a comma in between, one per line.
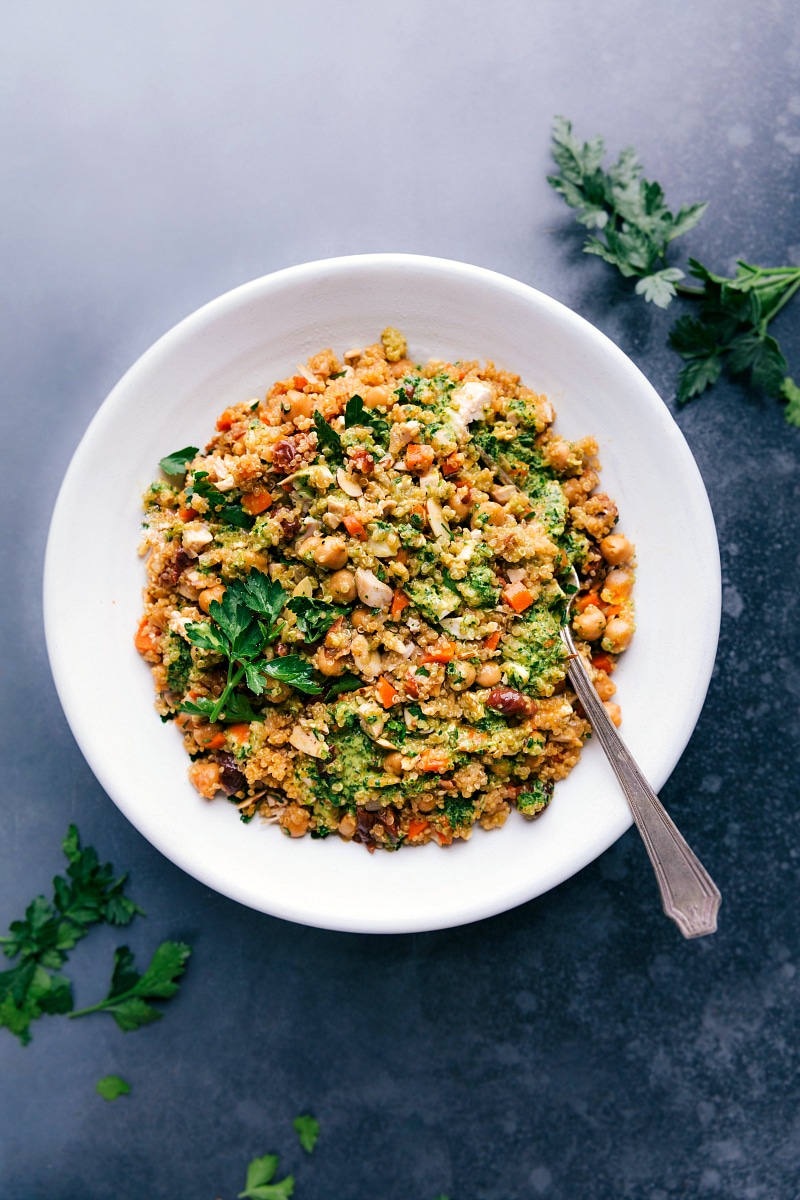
x=689, y=895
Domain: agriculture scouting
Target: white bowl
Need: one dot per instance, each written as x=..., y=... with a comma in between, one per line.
x=234, y=348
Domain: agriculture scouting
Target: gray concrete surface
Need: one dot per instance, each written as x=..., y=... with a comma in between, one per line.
x=157, y=154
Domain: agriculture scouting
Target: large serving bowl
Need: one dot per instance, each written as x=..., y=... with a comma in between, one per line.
x=233, y=349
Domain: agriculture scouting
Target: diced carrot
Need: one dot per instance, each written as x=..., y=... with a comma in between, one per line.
x=146, y=639
x=440, y=654
x=419, y=457
x=451, y=464
x=603, y=663
x=518, y=596
x=442, y=838
x=217, y=742
x=493, y=640
x=226, y=419
x=239, y=733
x=355, y=528
x=399, y=601
x=416, y=826
x=586, y=599
x=187, y=514
x=299, y=382
x=387, y=692
x=433, y=760
x=256, y=502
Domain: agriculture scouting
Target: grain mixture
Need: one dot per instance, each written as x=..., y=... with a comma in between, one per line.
x=354, y=621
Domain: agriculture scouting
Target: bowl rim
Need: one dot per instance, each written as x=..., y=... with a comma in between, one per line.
x=194, y=323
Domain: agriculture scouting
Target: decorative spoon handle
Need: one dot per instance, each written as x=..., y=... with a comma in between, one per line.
x=689, y=895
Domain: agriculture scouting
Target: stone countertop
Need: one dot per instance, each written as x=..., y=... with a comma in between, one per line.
x=157, y=155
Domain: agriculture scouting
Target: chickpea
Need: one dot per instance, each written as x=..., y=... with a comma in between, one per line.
x=490, y=513
x=589, y=624
x=342, y=586
x=459, y=503
x=360, y=618
x=393, y=763
x=205, y=777
x=618, y=634
x=297, y=404
x=427, y=802
x=460, y=675
x=617, y=586
x=327, y=663
x=330, y=553
x=212, y=593
x=559, y=454
x=489, y=675
x=614, y=711
x=616, y=549
x=347, y=826
x=378, y=397
x=604, y=687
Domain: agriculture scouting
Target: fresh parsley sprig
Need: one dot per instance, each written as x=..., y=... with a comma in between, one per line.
x=129, y=996
x=259, y=1185
x=329, y=441
x=240, y=627
x=634, y=231
x=356, y=413
x=307, y=1130
x=91, y=894
x=176, y=463
x=220, y=507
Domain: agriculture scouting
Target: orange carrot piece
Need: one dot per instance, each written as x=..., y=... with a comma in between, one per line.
x=399, y=601
x=217, y=742
x=603, y=663
x=387, y=692
x=146, y=638
x=433, y=760
x=419, y=457
x=518, y=596
x=226, y=419
x=586, y=599
x=493, y=640
x=417, y=826
x=256, y=502
x=187, y=514
x=440, y=654
x=355, y=528
x=239, y=733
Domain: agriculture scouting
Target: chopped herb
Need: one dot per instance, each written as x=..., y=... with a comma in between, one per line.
x=221, y=509
x=307, y=1130
x=176, y=463
x=535, y=798
x=329, y=440
x=130, y=993
x=259, y=1185
x=111, y=1087
x=90, y=895
x=345, y=683
x=315, y=617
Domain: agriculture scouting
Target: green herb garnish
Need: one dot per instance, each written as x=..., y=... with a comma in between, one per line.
x=175, y=463
x=634, y=229
x=259, y=1185
x=344, y=683
x=111, y=1087
x=307, y=1130
x=356, y=413
x=130, y=993
x=329, y=440
x=315, y=617
x=220, y=507
x=89, y=895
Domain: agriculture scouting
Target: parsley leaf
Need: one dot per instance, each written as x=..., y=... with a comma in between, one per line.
x=220, y=508
x=790, y=392
x=111, y=1087
x=259, y=1185
x=295, y=671
x=634, y=226
x=129, y=994
x=307, y=1130
x=89, y=895
x=175, y=463
x=356, y=413
x=329, y=440
x=315, y=617
x=344, y=683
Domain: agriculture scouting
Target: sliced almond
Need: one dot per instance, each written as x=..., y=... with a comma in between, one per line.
x=348, y=484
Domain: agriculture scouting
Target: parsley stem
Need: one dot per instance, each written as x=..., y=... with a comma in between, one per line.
x=107, y=1003
x=785, y=298
x=685, y=289
x=229, y=686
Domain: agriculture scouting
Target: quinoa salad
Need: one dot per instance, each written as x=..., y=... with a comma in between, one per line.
x=355, y=595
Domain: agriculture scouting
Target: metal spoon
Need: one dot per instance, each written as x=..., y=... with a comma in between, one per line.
x=688, y=893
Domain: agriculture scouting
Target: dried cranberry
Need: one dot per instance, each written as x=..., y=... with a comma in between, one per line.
x=174, y=569
x=362, y=460
x=230, y=777
x=510, y=702
x=288, y=522
x=285, y=456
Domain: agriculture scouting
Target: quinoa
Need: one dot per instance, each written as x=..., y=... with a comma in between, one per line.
x=400, y=675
